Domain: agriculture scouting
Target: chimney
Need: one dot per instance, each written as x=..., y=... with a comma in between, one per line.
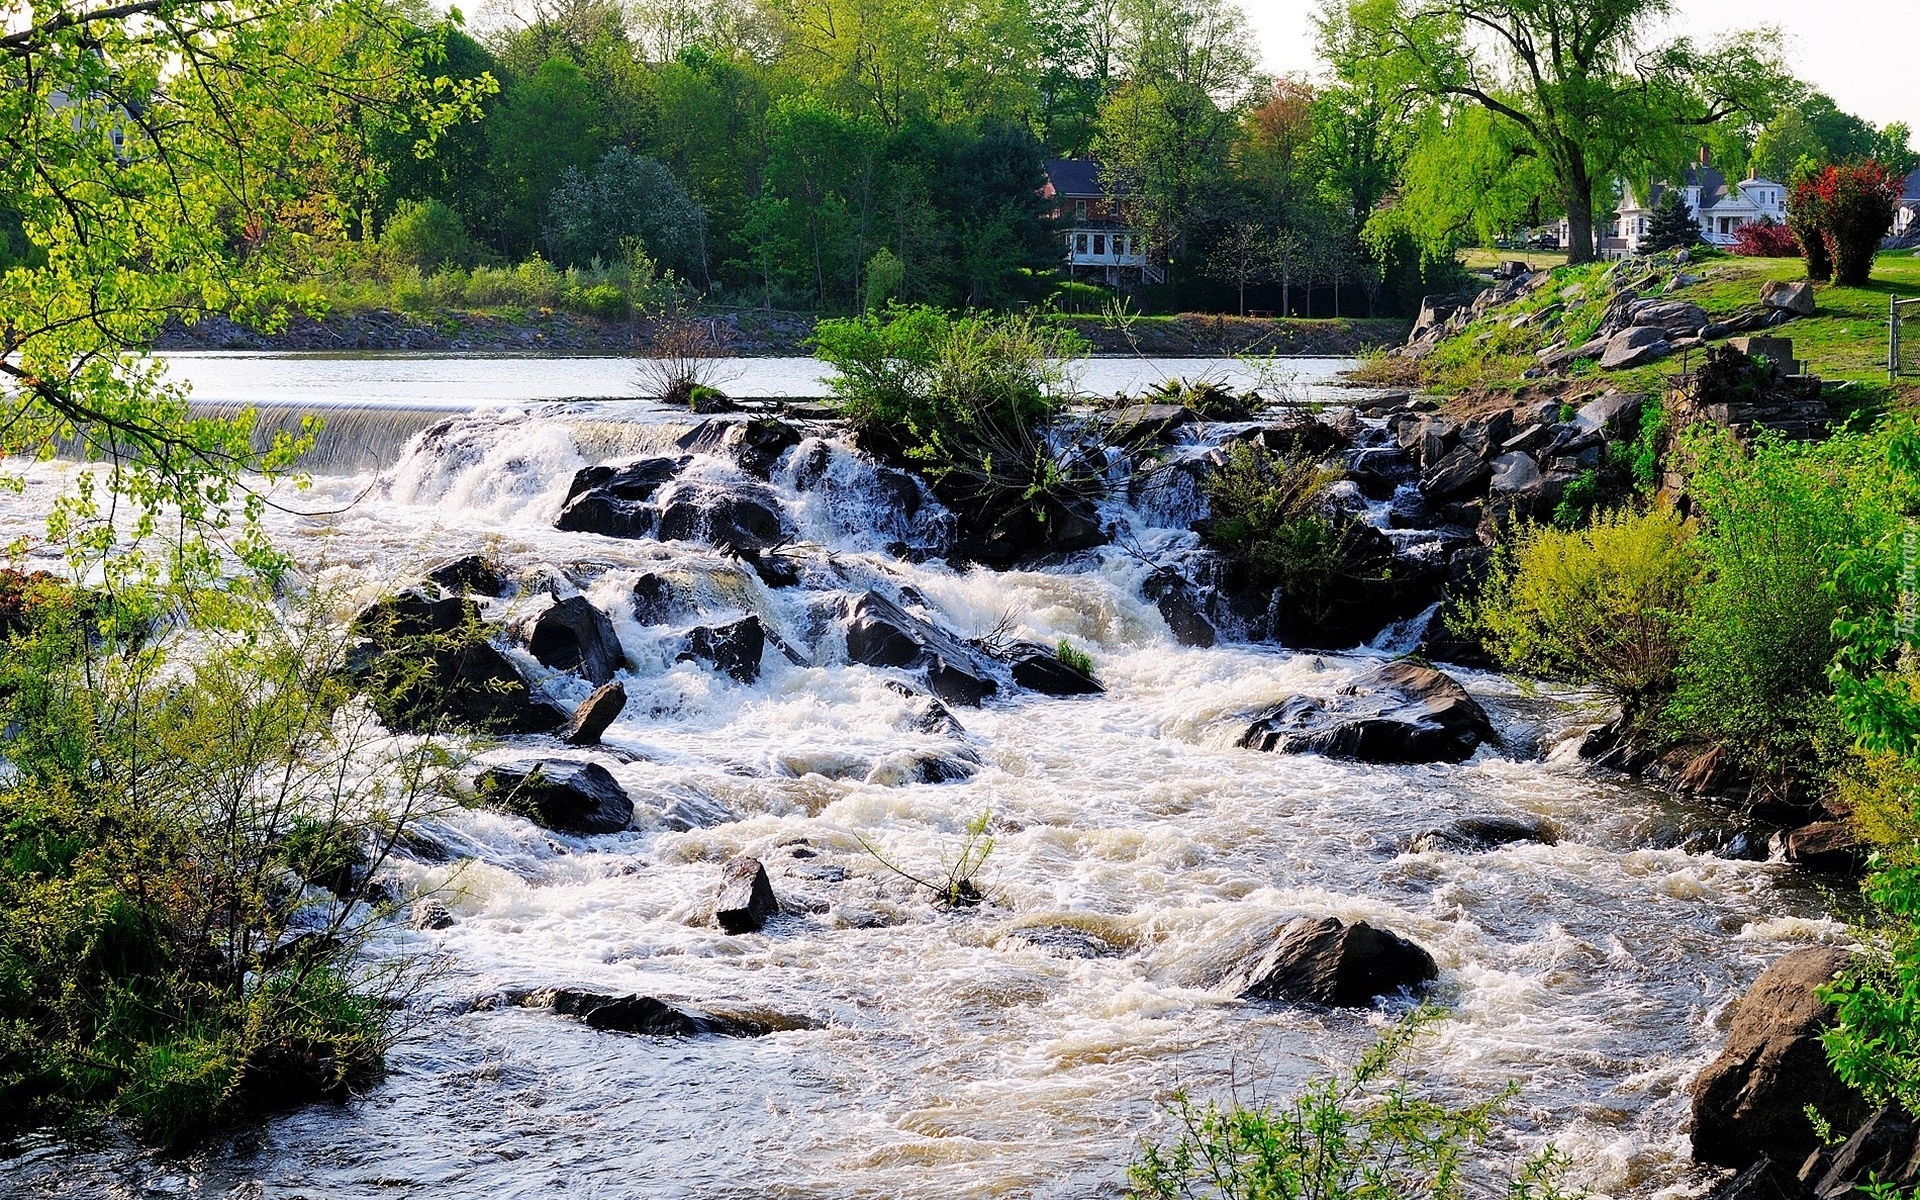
x=1706, y=157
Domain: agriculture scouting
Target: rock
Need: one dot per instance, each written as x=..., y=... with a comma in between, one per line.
x=1631, y=347
x=1328, y=962
x=881, y=634
x=1062, y=941
x=654, y=600
x=1513, y=474
x=1884, y=1149
x=474, y=574
x=733, y=648
x=1675, y=318
x=774, y=569
x=429, y=914
x=425, y=663
x=561, y=794
x=1713, y=772
x=1142, y=422
x=573, y=635
x=1751, y=1100
x=616, y=501
x=1471, y=834
x=756, y=444
x=1461, y=470
x=1764, y=1180
x=1398, y=713
x=696, y=811
x=646, y=1014
x=595, y=713
x=741, y=517
x=1614, y=415
x=746, y=896
x=1181, y=607
x=1039, y=669
x=1792, y=297
x=1483, y=434
x=1830, y=847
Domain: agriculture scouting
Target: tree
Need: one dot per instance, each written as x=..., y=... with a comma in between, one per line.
x=1854, y=207
x=1815, y=130
x=1244, y=254
x=1673, y=224
x=625, y=196
x=1570, y=83
x=544, y=127
x=425, y=234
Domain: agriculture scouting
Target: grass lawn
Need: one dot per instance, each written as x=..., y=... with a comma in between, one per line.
x=1481, y=258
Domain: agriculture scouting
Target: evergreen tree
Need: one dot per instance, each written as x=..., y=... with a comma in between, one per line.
x=1673, y=224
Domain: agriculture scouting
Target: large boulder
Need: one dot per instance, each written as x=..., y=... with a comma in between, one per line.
x=1039, y=669
x=1181, y=606
x=1885, y=1149
x=734, y=648
x=1398, y=713
x=882, y=634
x=617, y=501
x=1461, y=470
x=1831, y=847
x=1752, y=1099
x=572, y=635
x=562, y=794
x=1326, y=961
x=1514, y=474
x=1614, y=415
x=425, y=663
x=655, y=601
x=474, y=574
x=1633, y=346
x=746, y=897
x=1674, y=318
x=755, y=444
x=595, y=713
x=1795, y=297
x=744, y=517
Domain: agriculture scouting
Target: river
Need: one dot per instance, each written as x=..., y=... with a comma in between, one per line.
x=1016, y=1050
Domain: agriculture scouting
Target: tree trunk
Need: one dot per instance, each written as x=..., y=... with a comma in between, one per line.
x=1579, y=189
x=1243, y=295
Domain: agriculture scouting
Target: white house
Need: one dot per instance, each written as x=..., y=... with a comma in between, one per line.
x=1906, y=210
x=1719, y=206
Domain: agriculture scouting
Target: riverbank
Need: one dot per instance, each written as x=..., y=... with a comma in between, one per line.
x=751, y=333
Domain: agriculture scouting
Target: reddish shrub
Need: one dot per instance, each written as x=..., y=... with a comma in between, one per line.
x=1765, y=238
x=1851, y=208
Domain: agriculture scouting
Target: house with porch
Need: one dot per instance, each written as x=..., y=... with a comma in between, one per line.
x=1719, y=205
x=1099, y=242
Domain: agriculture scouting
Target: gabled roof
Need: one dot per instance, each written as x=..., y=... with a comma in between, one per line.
x=1074, y=177
x=1714, y=188
x=1912, y=190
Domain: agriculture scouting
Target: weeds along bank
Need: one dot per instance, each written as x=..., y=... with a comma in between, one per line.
x=1017, y=645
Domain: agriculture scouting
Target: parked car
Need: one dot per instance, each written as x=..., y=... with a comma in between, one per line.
x=1545, y=241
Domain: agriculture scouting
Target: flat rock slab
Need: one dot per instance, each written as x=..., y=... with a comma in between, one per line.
x=652, y=1015
x=1329, y=962
x=1039, y=669
x=1398, y=713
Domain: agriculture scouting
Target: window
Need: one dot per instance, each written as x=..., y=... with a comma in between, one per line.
x=1099, y=243
x=1080, y=209
x=1079, y=243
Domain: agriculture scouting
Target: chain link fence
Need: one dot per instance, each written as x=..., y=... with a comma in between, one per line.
x=1903, y=337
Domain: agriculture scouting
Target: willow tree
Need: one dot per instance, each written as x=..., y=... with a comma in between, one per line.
x=1576, y=84
x=165, y=159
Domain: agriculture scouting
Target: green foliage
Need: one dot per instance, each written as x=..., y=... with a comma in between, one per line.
x=1270, y=513
x=603, y=300
x=425, y=234
x=1774, y=522
x=175, y=786
x=1601, y=605
x=1359, y=1136
x=626, y=198
x=1071, y=656
x=957, y=886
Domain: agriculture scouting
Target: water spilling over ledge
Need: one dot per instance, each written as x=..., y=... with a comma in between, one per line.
x=1144, y=862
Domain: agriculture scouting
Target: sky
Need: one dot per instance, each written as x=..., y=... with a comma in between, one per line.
x=1863, y=53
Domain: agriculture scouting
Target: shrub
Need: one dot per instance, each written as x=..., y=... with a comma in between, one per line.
x=1071, y=656
x=427, y=235
x=1600, y=605
x=1847, y=209
x=625, y=197
x=1806, y=218
x=684, y=361
x=1270, y=513
x=1774, y=521
x=176, y=802
x=1072, y=296
x=1353, y=1137
x=1765, y=238
x=603, y=300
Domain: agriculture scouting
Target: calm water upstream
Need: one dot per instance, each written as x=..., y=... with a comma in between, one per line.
x=979, y=1054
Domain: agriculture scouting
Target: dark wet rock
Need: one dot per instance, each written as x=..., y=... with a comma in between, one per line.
x=1484, y=434
x=945, y=768
x=561, y=794
x=1831, y=847
x=734, y=648
x=572, y=635
x=1764, y=1180
x=756, y=444
x=1461, y=470
x=931, y=716
x=774, y=569
x=595, y=713
x=472, y=574
x=1039, y=669
x=1710, y=772
x=654, y=600
x=1751, y=1100
x=645, y=1014
x=1470, y=834
x=426, y=663
x=1181, y=607
x=617, y=501
x=1328, y=962
x=1026, y=533
x=1885, y=1149
x=695, y=812
x=746, y=896
x=882, y=634
x=743, y=518
x=1062, y=941
x=1515, y=475
x=1398, y=713
x=429, y=914
x=1142, y=422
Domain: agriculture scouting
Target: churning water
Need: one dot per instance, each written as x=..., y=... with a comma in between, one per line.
x=1017, y=1050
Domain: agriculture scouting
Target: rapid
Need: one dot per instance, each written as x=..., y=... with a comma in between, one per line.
x=1142, y=863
